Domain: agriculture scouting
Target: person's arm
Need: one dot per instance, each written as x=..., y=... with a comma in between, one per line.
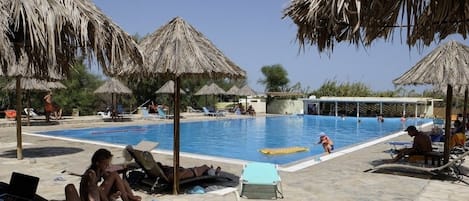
x=92, y=192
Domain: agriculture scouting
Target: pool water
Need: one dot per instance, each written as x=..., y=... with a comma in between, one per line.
x=243, y=138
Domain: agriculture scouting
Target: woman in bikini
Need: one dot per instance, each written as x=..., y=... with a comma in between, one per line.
x=111, y=187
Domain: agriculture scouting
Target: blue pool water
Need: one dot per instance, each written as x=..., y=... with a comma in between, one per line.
x=242, y=138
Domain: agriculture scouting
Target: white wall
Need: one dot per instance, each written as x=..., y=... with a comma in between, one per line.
x=285, y=107
x=259, y=105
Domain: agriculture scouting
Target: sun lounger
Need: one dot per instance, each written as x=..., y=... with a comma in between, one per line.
x=163, y=114
x=155, y=180
x=31, y=112
x=212, y=114
x=452, y=167
x=191, y=109
x=261, y=180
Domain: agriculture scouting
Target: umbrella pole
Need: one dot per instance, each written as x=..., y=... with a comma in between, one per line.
x=449, y=97
x=246, y=104
x=19, y=144
x=176, y=137
x=464, y=113
x=28, y=97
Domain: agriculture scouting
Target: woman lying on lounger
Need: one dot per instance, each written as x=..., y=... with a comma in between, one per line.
x=186, y=173
x=111, y=187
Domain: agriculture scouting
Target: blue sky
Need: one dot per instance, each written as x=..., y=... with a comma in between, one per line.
x=253, y=34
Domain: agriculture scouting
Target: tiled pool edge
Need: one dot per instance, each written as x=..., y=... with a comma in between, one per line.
x=305, y=164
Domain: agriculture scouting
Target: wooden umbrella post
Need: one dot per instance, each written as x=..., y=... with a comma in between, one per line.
x=19, y=140
x=176, y=137
x=449, y=99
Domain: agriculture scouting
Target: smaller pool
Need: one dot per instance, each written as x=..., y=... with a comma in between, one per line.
x=243, y=138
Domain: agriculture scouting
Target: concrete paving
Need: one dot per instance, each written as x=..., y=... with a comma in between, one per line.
x=340, y=178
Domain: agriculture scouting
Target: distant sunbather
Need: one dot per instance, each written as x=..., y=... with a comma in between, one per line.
x=186, y=173
x=146, y=159
x=422, y=144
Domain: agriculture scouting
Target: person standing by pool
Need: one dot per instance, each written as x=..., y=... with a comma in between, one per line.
x=50, y=107
x=326, y=142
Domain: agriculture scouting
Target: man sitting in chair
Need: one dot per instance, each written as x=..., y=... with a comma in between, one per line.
x=422, y=144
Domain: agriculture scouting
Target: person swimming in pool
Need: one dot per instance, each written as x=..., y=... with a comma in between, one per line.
x=326, y=142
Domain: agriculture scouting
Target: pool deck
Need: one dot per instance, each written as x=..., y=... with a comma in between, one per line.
x=339, y=178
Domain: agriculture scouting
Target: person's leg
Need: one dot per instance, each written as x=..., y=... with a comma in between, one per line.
x=113, y=179
x=71, y=193
x=59, y=113
x=199, y=171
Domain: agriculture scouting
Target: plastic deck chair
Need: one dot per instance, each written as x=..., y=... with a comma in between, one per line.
x=261, y=180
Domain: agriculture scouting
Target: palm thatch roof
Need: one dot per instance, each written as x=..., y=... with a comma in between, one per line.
x=23, y=69
x=113, y=86
x=446, y=64
x=325, y=22
x=28, y=84
x=285, y=94
x=212, y=89
x=168, y=88
x=55, y=85
x=53, y=32
x=246, y=91
x=178, y=49
x=234, y=90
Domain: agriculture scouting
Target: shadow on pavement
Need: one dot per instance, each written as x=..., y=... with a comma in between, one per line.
x=36, y=152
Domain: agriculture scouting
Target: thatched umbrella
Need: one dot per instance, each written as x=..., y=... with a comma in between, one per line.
x=445, y=66
x=325, y=22
x=211, y=89
x=178, y=50
x=246, y=91
x=27, y=84
x=168, y=88
x=55, y=85
x=233, y=90
x=52, y=33
x=113, y=86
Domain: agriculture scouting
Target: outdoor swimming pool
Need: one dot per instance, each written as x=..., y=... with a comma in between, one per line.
x=243, y=138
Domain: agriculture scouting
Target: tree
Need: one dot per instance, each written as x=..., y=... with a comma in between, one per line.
x=276, y=78
x=332, y=88
x=79, y=92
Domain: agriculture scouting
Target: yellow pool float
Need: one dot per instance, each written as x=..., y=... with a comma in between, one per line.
x=284, y=150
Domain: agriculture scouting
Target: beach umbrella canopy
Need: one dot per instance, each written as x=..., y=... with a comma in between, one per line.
x=325, y=22
x=178, y=50
x=168, y=88
x=55, y=85
x=52, y=33
x=246, y=91
x=28, y=84
x=233, y=90
x=211, y=89
x=445, y=66
x=113, y=86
